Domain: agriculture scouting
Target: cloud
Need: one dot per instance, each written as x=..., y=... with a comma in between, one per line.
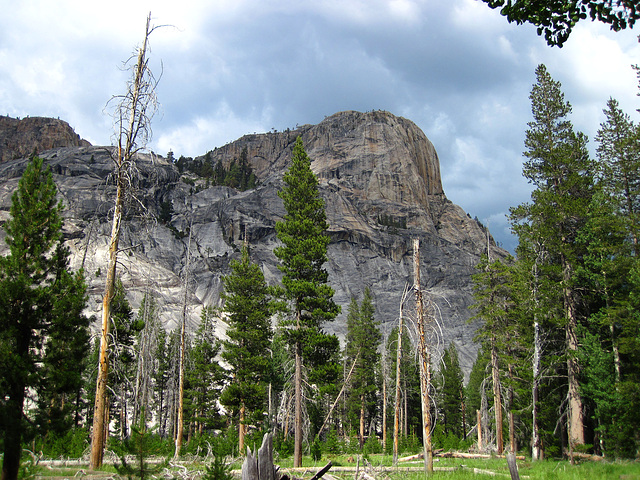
x=458, y=69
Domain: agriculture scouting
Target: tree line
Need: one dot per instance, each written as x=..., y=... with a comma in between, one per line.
x=561, y=328
x=239, y=175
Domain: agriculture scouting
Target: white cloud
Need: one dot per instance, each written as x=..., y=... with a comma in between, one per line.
x=231, y=67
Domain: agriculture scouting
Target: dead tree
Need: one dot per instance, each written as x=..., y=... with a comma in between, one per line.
x=133, y=130
x=425, y=361
x=396, y=414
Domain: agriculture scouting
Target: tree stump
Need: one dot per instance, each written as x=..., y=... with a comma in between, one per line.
x=259, y=466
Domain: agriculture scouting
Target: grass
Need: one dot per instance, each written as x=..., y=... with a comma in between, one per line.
x=466, y=468
x=463, y=469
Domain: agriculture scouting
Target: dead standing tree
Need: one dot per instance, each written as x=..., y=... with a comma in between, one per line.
x=425, y=362
x=133, y=115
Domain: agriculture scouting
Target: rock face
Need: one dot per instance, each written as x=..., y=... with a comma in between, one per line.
x=19, y=138
x=380, y=179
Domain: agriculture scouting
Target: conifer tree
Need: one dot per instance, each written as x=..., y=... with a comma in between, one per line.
x=303, y=253
x=204, y=376
x=452, y=399
x=249, y=307
x=559, y=167
x=39, y=298
x=362, y=342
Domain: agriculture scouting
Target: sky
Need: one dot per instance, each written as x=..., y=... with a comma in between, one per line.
x=456, y=68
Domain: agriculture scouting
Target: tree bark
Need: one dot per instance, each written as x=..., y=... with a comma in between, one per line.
x=575, y=417
x=396, y=413
x=297, y=421
x=497, y=398
x=135, y=103
x=98, y=433
x=425, y=373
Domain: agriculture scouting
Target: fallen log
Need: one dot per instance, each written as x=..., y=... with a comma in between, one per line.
x=474, y=456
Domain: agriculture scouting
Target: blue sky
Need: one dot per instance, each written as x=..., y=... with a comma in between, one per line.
x=456, y=68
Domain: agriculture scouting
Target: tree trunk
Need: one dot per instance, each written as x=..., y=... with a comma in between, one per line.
x=479, y=430
x=384, y=405
x=575, y=417
x=425, y=373
x=183, y=333
x=512, y=434
x=13, y=433
x=241, y=429
x=98, y=431
x=139, y=102
x=361, y=434
x=497, y=398
x=396, y=413
x=297, y=423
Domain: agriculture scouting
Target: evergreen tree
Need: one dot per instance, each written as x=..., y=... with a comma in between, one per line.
x=65, y=353
x=362, y=342
x=204, y=377
x=410, y=406
x=303, y=253
x=34, y=282
x=559, y=167
x=452, y=401
x=619, y=168
x=161, y=380
x=249, y=307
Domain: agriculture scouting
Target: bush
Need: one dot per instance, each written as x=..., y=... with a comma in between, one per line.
x=218, y=470
x=316, y=450
x=70, y=445
x=372, y=446
x=332, y=444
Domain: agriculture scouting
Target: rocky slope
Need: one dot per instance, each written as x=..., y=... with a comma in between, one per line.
x=19, y=138
x=379, y=176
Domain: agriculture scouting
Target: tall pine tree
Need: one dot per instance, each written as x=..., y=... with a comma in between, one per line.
x=363, y=340
x=302, y=255
x=249, y=307
x=34, y=284
x=561, y=171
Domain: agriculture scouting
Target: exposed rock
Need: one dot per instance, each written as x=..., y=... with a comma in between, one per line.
x=379, y=176
x=19, y=138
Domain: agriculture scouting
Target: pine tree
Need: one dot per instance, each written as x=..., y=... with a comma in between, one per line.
x=362, y=342
x=302, y=255
x=452, y=406
x=619, y=167
x=122, y=363
x=34, y=282
x=249, y=307
x=204, y=377
x=559, y=167
x=161, y=380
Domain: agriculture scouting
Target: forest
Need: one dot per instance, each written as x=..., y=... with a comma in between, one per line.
x=556, y=375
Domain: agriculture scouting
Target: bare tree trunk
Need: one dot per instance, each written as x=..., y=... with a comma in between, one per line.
x=497, y=398
x=361, y=434
x=138, y=104
x=297, y=421
x=479, y=430
x=537, y=452
x=241, y=429
x=425, y=372
x=463, y=408
x=512, y=434
x=98, y=432
x=575, y=417
x=384, y=403
x=396, y=413
x=536, y=443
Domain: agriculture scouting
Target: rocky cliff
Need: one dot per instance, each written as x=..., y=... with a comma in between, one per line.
x=20, y=138
x=379, y=176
